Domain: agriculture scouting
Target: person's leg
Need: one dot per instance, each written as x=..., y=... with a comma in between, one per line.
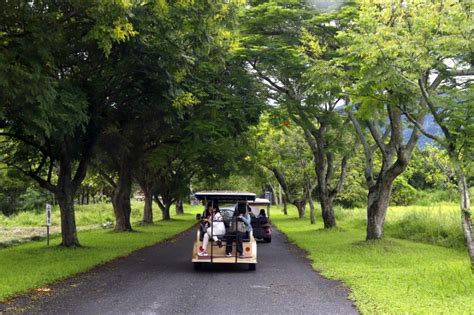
x=239, y=243
x=228, y=245
x=205, y=241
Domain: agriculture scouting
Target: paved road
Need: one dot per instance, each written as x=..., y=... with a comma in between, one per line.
x=161, y=280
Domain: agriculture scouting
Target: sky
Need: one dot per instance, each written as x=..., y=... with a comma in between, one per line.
x=326, y=5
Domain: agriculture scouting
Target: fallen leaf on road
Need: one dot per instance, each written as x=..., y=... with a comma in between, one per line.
x=43, y=289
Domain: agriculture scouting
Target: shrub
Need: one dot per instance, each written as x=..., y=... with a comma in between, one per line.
x=403, y=193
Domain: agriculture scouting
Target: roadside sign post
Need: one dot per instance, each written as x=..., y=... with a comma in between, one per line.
x=48, y=221
x=268, y=195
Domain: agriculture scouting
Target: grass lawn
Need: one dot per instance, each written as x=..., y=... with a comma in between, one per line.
x=390, y=276
x=33, y=265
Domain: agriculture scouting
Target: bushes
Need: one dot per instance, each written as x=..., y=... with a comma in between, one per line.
x=403, y=193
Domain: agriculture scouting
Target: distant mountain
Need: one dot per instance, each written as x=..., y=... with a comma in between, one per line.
x=430, y=126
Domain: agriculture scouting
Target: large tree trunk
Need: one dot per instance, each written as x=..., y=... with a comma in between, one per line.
x=396, y=154
x=327, y=211
x=121, y=197
x=179, y=207
x=147, y=187
x=301, y=207
x=378, y=201
x=165, y=212
x=164, y=207
x=324, y=168
x=148, y=208
x=65, y=196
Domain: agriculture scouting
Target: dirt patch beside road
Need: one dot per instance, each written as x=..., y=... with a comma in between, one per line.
x=13, y=235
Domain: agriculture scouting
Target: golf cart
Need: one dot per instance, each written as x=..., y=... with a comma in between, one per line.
x=262, y=229
x=216, y=254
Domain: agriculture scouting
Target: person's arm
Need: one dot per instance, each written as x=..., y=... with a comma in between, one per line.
x=218, y=217
x=246, y=219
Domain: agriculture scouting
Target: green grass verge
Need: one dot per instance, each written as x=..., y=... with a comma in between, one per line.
x=391, y=276
x=33, y=265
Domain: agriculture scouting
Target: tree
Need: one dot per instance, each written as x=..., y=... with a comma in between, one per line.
x=176, y=39
x=287, y=44
x=283, y=152
x=400, y=54
x=53, y=94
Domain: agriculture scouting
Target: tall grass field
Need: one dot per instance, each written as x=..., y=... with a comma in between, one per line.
x=401, y=274
x=93, y=214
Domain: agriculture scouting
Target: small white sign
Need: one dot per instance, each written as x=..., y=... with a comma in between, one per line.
x=48, y=214
x=268, y=195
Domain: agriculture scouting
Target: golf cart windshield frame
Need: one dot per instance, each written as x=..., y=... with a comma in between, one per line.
x=225, y=196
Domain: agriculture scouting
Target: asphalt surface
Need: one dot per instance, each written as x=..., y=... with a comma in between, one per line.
x=161, y=280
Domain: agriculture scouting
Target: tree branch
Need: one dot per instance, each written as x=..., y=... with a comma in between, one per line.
x=278, y=88
x=369, y=169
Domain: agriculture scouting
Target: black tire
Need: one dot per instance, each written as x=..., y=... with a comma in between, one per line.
x=252, y=267
x=268, y=240
x=197, y=266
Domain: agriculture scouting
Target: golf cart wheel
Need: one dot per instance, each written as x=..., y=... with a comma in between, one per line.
x=197, y=265
x=252, y=267
x=268, y=239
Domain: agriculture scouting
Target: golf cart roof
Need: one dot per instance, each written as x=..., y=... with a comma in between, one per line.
x=260, y=201
x=225, y=196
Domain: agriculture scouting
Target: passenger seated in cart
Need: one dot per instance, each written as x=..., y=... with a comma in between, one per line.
x=205, y=218
x=215, y=228
x=241, y=217
x=262, y=214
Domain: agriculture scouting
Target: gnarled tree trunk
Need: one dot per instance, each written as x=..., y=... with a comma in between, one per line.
x=325, y=169
x=327, y=211
x=378, y=201
x=301, y=207
x=396, y=155
x=165, y=206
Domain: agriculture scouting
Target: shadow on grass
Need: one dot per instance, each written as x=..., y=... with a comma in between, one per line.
x=336, y=229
